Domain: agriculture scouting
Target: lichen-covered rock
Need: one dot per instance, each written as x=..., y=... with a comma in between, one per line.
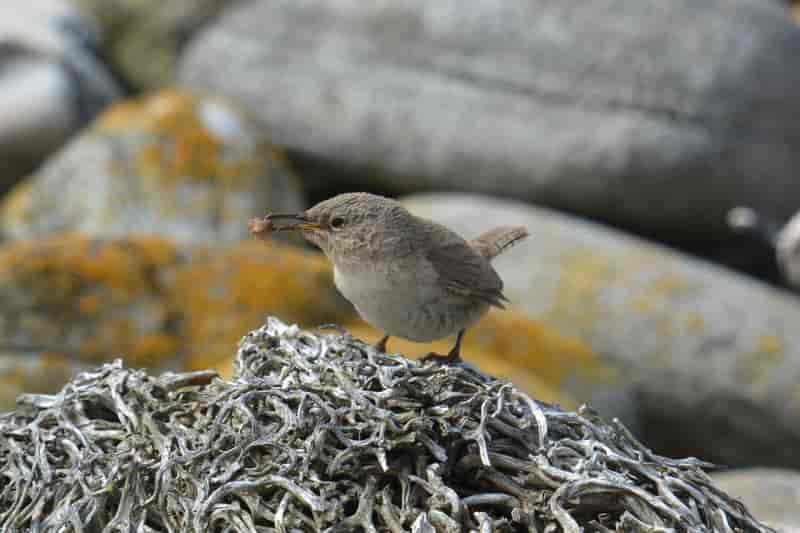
x=773, y=495
x=190, y=167
x=710, y=359
x=157, y=304
x=144, y=38
x=591, y=107
x=323, y=433
x=51, y=81
x=554, y=367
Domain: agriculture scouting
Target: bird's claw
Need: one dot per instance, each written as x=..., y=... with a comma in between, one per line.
x=449, y=359
x=380, y=346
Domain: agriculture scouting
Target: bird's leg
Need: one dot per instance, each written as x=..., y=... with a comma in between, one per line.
x=453, y=357
x=381, y=344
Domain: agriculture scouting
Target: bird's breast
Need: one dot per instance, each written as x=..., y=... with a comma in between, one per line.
x=406, y=300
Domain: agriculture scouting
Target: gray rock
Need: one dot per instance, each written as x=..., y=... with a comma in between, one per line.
x=656, y=115
x=712, y=357
x=51, y=82
x=193, y=168
x=144, y=38
x=772, y=495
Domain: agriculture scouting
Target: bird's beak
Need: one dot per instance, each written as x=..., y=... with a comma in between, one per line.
x=296, y=221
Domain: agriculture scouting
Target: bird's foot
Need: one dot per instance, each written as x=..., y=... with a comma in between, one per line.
x=449, y=359
x=381, y=344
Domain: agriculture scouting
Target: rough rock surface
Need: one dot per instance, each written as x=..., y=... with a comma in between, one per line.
x=51, y=81
x=710, y=359
x=190, y=167
x=773, y=495
x=75, y=300
x=323, y=433
x=144, y=38
x=71, y=301
x=596, y=108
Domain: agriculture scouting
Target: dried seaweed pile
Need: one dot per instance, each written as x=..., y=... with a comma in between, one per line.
x=322, y=433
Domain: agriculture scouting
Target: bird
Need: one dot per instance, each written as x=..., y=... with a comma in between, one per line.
x=405, y=275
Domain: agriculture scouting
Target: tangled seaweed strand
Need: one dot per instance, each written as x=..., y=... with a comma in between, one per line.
x=319, y=432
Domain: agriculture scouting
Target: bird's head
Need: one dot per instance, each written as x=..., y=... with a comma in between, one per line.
x=347, y=226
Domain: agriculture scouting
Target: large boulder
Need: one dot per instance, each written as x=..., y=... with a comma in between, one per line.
x=191, y=167
x=710, y=359
x=72, y=301
x=659, y=116
x=51, y=81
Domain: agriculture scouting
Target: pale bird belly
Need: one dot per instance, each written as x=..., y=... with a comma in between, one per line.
x=408, y=307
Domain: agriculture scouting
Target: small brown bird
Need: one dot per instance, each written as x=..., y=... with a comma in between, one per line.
x=410, y=277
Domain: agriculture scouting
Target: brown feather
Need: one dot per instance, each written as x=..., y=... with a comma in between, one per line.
x=497, y=240
x=466, y=272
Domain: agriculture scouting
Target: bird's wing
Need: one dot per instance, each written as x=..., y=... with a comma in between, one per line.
x=462, y=270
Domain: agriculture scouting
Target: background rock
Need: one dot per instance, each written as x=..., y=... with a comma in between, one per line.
x=156, y=304
x=143, y=38
x=772, y=495
x=190, y=167
x=594, y=108
x=711, y=360
x=51, y=81
x=511, y=346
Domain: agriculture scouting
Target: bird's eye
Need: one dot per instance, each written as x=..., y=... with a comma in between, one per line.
x=337, y=222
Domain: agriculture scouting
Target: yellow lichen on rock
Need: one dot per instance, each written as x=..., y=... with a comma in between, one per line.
x=190, y=166
x=153, y=302
x=583, y=276
x=180, y=144
x=84, y=298
x=509, y=345
x=224, y=295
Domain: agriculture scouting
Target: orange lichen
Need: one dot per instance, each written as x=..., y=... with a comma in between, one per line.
x=509, y=345
x=90, y=304
x=757, y=367
x=656, y=295
x=695, y=323
x=154, y=348
x=584, y=274
x=91, y=291
x=17, y=204
x=179, y=145
x=224, y=297
x=771, y=346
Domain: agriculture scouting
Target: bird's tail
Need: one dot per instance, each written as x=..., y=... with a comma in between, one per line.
x=495, y=241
